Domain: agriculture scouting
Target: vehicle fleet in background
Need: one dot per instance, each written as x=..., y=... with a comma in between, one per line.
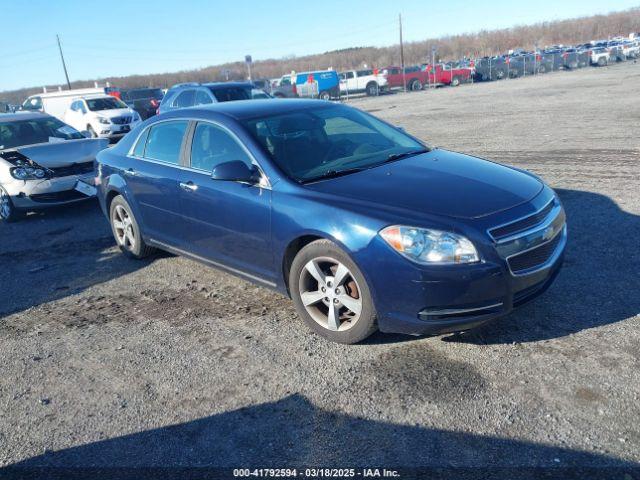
x=331, y=84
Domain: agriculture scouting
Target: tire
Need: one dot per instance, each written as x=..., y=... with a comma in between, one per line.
x=455, y=81
x=92, y=131
x=415, y=85
x=542, y=69
x=372, y=89
x=324, y=95
x=602, y=62
x=499, y=74
x=313, y=273
x=128, y=237
x=8, y=212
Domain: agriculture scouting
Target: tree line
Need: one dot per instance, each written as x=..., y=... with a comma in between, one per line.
x=453, y=47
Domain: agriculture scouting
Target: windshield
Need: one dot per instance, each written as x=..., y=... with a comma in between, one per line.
x=228, y=94
x=30, y=132
x=144, y=93
x=104, y=103
x=325, y=141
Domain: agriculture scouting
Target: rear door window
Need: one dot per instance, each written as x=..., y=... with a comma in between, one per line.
x=184, y=99
x=164, y=141
x=203, y=98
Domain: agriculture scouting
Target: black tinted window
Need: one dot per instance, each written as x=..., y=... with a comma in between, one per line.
x=185, y=99
x=228, y=94
x=164, y=141
x=213, y=145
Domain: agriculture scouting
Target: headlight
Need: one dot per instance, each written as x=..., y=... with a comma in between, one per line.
x=104, y=120
x=430, y=247
x=27, y=173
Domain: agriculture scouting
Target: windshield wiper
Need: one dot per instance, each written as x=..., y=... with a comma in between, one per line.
x=397, y=156
x=333, y=174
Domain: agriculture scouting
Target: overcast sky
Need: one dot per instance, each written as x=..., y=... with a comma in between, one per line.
x=127, y=37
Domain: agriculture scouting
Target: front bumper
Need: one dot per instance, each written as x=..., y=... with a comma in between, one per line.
x=37, y=194
x=113, y=131
x=416, y=299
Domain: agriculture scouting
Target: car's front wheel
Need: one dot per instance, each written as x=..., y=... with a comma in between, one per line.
x=8, y=212
x=126, y=230
x=331, y=293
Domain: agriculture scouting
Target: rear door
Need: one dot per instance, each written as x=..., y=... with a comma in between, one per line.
x=153, y=177
x=229, y=222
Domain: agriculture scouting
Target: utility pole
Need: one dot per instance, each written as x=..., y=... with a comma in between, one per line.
x=404, y=80
x=64, y=65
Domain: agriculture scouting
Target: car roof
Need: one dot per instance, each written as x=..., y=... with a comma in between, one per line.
x=245, y=109
x=15, y=117
x=213, y=85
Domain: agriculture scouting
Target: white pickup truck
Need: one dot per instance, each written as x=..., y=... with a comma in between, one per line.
x=358, y=81
x=600, y=56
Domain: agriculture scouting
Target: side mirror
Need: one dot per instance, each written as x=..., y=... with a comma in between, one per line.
x=236, y=171
x=86, y=133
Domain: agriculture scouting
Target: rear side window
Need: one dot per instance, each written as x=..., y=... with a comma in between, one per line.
x=138, y=151
x=212, y=146
x=184, y=99
x=164, y=141
x=202, y=98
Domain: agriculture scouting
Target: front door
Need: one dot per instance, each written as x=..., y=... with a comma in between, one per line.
x=229, y=222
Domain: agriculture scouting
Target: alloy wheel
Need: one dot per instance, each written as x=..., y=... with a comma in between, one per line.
x=5, y=205
x=123, y=227
x=330, y=294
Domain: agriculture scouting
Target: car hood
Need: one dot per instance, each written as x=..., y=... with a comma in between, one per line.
x=64, y=153
x=115, y=112
x=438, y=182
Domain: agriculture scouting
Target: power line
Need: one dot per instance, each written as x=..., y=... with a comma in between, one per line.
x=64, y=65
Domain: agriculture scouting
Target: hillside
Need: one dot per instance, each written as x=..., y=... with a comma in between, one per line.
x=484, y=42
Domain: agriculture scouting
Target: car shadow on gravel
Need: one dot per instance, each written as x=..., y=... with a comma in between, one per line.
x=597, y=285
x=57, y=253
x=292, y=432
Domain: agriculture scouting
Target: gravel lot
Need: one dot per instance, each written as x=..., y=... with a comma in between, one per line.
x=111, y=362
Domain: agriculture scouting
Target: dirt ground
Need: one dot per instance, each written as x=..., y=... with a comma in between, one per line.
x=109, y=362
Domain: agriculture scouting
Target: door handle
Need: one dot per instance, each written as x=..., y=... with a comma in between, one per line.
x=131, y=172
x=188, y=186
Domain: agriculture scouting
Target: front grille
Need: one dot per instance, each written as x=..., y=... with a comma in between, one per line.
x=535, y=257
x=121, y=120
x=505, y=231
x=74, y=169
x=65, y=196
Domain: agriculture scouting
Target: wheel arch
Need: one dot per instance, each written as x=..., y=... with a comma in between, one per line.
x=298, y=243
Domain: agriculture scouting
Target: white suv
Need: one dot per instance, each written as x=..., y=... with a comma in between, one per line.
x=102, y=116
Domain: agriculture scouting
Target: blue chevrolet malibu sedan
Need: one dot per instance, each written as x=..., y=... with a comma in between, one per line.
x=364, y=226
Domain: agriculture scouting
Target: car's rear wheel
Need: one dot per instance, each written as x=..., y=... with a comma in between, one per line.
x=372, y=89
x=602, y=61
x=331, y=294
x=126, y=230
x=8, y=211
x=455, y=81
x=324, y=95
x=415, y=86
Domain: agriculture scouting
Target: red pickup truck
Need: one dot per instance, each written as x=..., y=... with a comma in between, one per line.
x=415, y=77
x=443, y=74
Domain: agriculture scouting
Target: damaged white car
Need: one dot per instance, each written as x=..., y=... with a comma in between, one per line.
x=43, y=162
